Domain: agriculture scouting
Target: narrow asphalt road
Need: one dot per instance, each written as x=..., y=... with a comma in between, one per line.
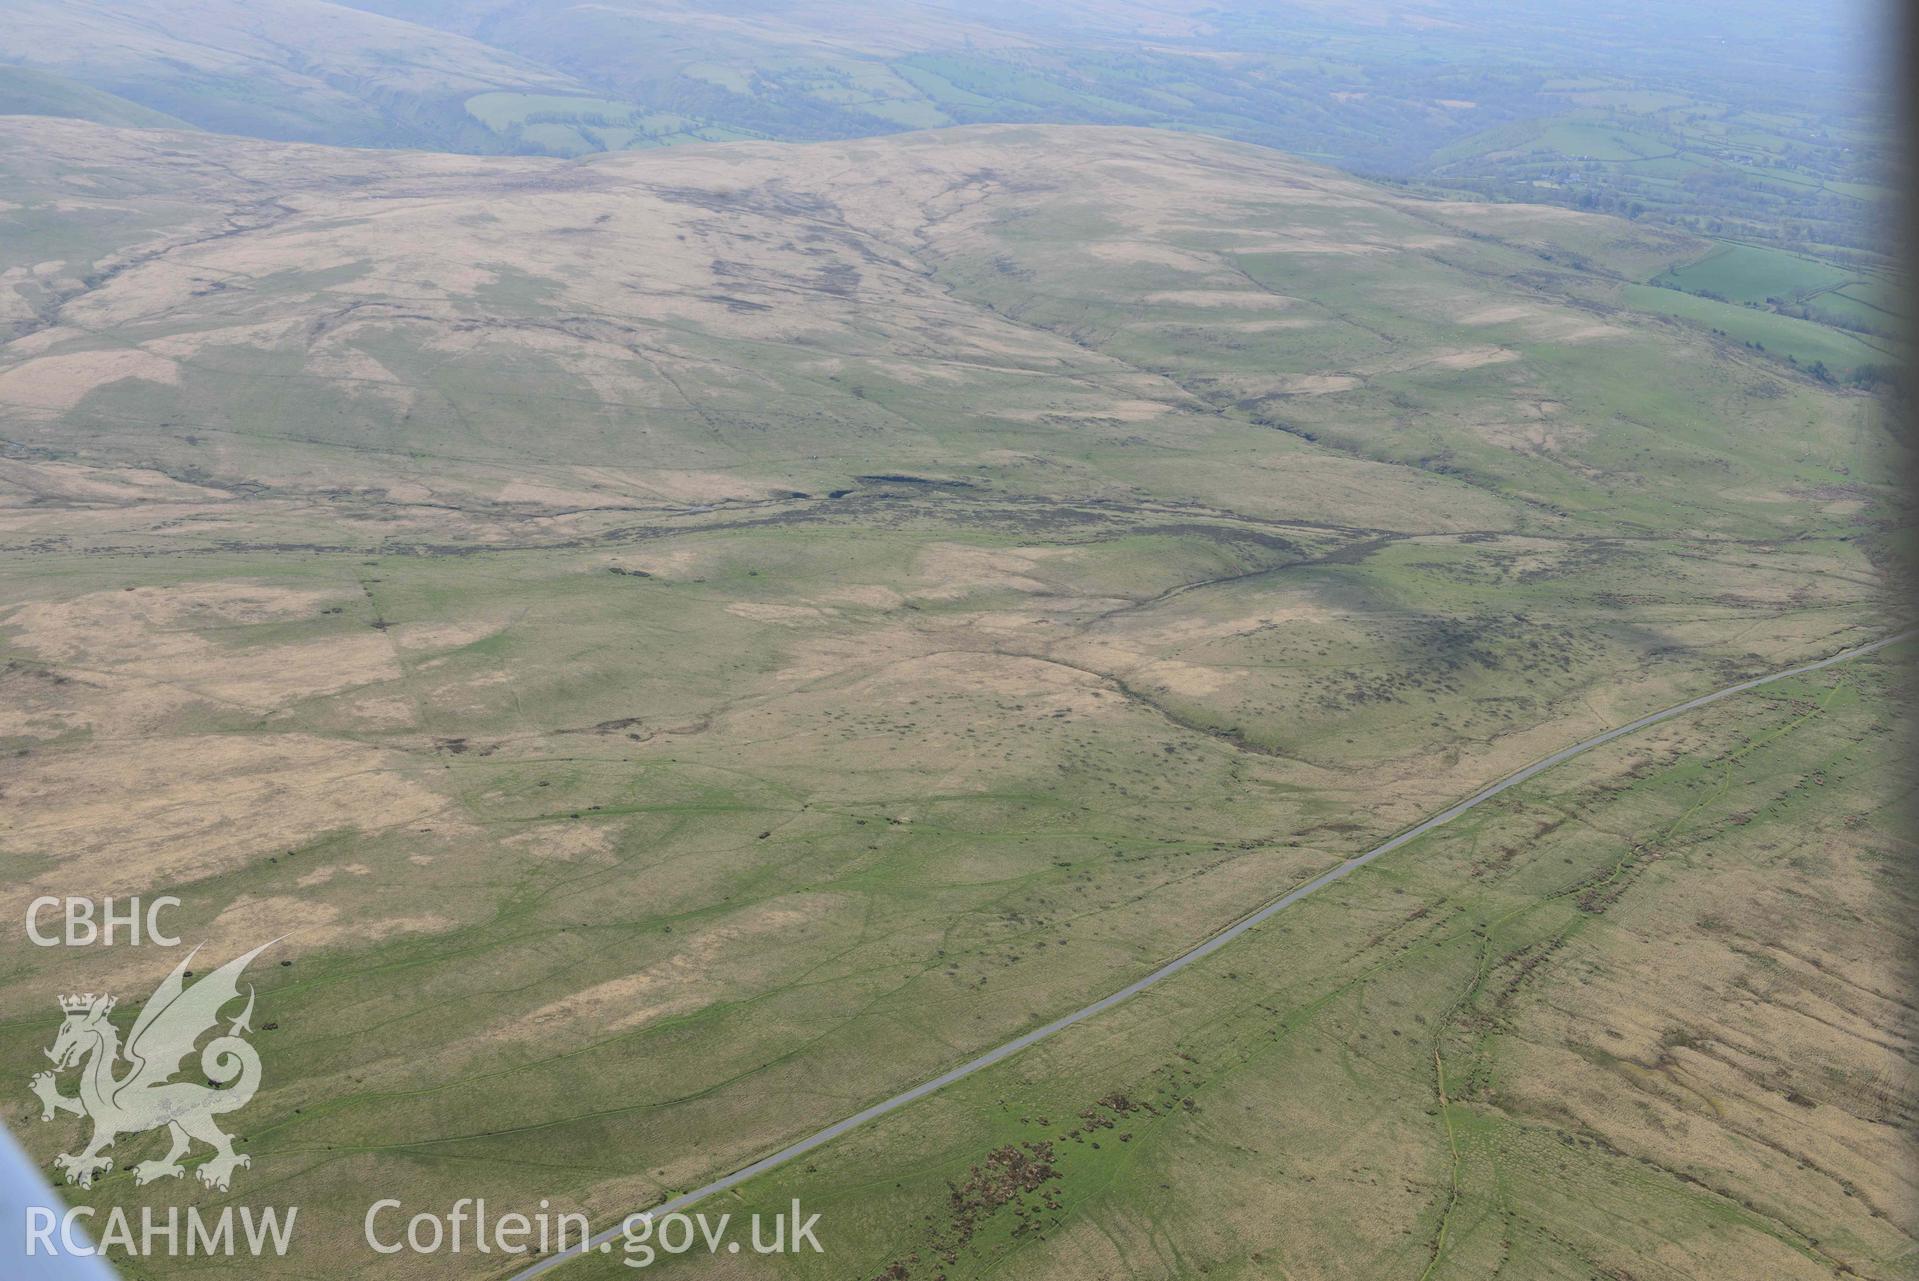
x=606, y=1240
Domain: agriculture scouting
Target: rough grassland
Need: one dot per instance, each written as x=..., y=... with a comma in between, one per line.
x=1638, y=1018
x=686, y=644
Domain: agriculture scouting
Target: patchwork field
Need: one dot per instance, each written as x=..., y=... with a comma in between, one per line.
x=1804, y=308
x=1806, y=343
x=685, y=644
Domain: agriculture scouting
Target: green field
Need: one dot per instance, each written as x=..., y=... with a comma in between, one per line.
x=1801, y=341
x=501, y=111
x=1582, y=141
x=1867, y=306
x=1749, y=274
x=569, y=126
